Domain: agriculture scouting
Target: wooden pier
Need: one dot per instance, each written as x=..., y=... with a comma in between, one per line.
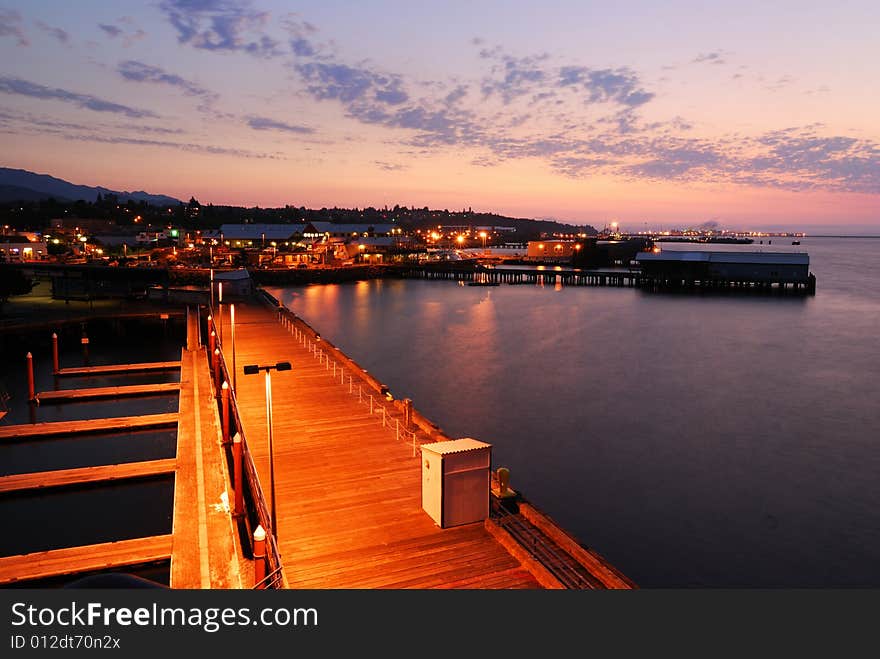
x=479, y=275
x=343, y=481
x=206, y=549
x=347, y=480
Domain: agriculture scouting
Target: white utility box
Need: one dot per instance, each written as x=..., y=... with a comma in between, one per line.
x=455, y=481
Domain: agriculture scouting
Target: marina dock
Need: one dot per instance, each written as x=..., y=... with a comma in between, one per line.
x=337, y=490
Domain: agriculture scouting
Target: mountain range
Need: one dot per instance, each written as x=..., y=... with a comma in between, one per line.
x=22, y=185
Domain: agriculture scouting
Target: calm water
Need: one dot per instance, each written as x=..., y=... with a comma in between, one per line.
x=103, y=512
x=694, y=440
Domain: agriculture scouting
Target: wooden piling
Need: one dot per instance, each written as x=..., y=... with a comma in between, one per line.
x=55, y=364
x=259, y=557
x=407, y=413
x=217, y=370
x=30, y=377
x=225, y=407
x=237, y=475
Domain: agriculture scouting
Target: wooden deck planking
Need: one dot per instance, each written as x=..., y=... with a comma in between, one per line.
x=206, y=553
x=119, y=368
x=58, y=428
x=349, y=495
x=88, y=558
x=80, y=475
x=109, y=392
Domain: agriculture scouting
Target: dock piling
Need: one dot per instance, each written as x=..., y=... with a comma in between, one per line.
x=55, y=365
x=259, y=557
x=237, y=470
x=217, y=370
x=225, y=404
x=30, y=377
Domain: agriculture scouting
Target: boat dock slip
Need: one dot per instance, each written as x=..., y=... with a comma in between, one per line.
x=63, y=477
x=64, y=395
x=206, y=553
x=62, y=428
x=120, y=368
x=88, y=558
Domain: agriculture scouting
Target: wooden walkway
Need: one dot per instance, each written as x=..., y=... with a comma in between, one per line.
x=206, y=550
x=348, y=493
x=88, y=558
x=119, y=368
x=63, y=477
x=64, y=428
x=64, y=395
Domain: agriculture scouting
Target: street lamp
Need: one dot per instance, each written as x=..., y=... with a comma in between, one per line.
x=253, y=369
x=483, y=236
x=232, y=327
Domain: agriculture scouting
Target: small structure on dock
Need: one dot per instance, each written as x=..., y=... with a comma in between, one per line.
x=236, y=283
x=721, y=269
x=455, y=481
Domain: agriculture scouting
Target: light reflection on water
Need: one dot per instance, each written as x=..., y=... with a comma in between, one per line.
x=694, y=440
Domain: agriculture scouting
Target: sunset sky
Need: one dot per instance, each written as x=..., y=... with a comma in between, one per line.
x=749, y=114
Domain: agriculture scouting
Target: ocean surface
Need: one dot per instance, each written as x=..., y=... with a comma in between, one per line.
x=694, y=440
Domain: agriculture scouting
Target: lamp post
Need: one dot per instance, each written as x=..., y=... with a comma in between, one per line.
x=220, y=303
x=232, y=328
x=253, y=369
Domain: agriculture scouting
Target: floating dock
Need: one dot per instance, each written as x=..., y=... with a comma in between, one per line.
x=63, y=428
x=72, y=395
x=111, y=369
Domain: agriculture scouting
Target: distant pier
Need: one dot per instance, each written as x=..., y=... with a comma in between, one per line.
x=650, y=274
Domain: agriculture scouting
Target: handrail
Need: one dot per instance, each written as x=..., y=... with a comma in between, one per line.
x=264, y=518
x=375, y=390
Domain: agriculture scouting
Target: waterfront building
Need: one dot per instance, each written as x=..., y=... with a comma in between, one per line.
x=761, y=267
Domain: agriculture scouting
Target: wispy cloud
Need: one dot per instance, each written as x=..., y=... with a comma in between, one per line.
x=221, y=25
x=330, y=80
x=139, y=72
x=28, y=120
x=715, y=57
x=110, y=30
x=181, y=146
x=389, y=166
x=10, y=26
x=620, y=86
x=55, y=32
x=128, y=37
x=262, y=123
x=26, y=88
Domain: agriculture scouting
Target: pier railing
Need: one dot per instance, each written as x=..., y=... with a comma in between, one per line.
x=398, y=416
x=256, y=508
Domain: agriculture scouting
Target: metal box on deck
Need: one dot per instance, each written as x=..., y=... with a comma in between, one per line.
x=455, y=481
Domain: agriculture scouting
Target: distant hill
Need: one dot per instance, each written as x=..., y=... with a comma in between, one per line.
x=22, y=185
x=13, y=193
